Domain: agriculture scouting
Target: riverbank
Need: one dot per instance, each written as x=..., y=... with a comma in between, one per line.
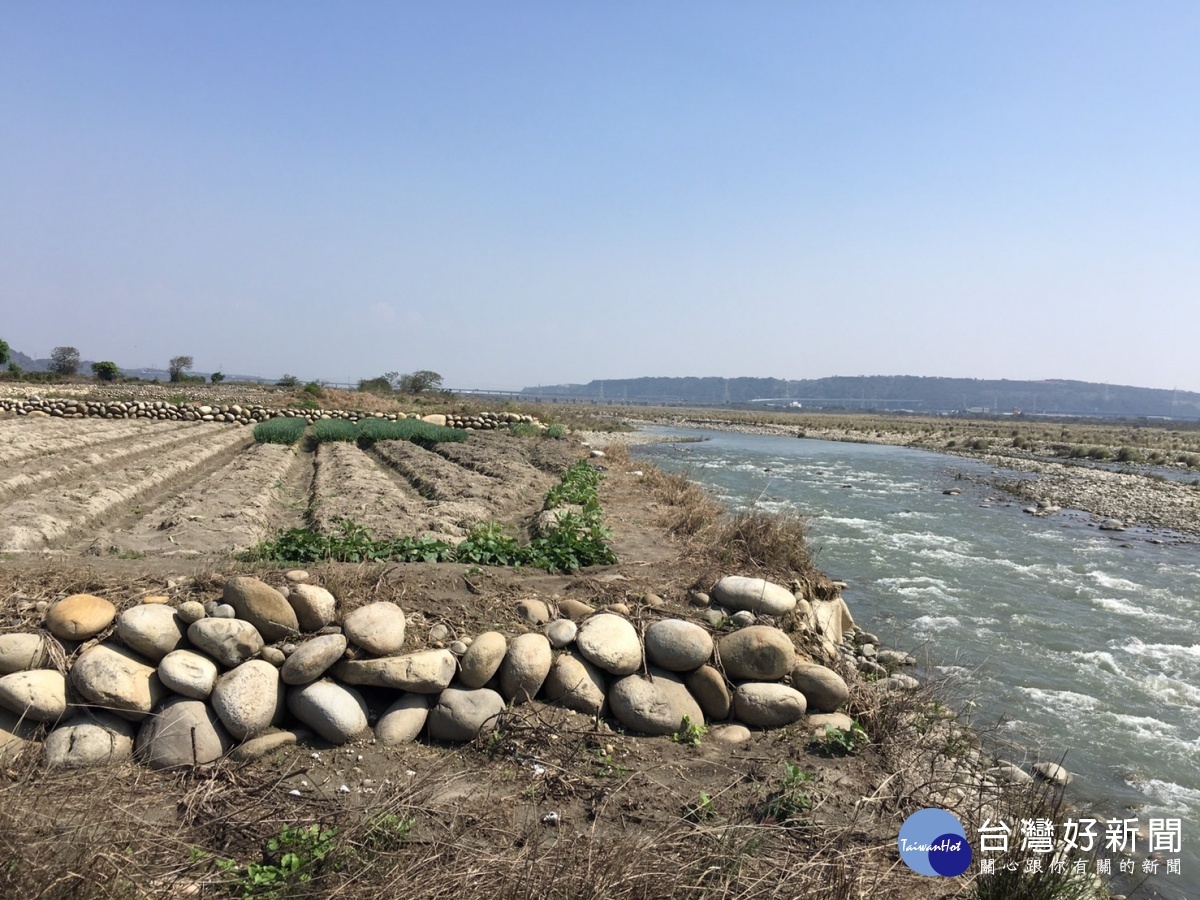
x=1144, y=499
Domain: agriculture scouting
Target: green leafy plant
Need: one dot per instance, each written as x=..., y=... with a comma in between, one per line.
x=324, y=430
x=791, y=799
x=290, y=859
x=689, y=732
x=841, y=741
x=386, y=830
x=280, y=430
x=700, y=811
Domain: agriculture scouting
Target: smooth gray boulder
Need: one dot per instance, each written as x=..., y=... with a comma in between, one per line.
x=313, y=658
x=424, y=672
x=113, y=678
x=824, y=689
x=483, y=658
x=152, y=629
x=610, y=642
x=653, y=705
x=229, y=641
x=182, y=732
x=402, y=722
x=560, y=633
x=576, y=684
x=525, y=667
x=95, y=738
x=313, y=605
x=461, y=714
x=37, y=694
x=335, y=712
x=757, y=653
x=19, y=652
x=249, y=699
x=262, y=606
x=377, y=627
x=188, y=674
x=708, y=686
x=768, y=704
x=754, y=594
x=678, y=645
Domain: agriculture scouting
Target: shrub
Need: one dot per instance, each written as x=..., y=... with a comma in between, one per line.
x=280, y=430
x=380, y=385
x=314, y=390
x=216, y=377
x=105, y=371
x=525, y=429
x=288, y=381
x=1129, y=455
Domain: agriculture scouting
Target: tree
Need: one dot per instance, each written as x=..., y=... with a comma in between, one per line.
x=421, y=381
x=216, y=377
x=64, y=360
x=288, y=381
x=379, y=385
x=105, y=371
x=4, y=351
x=179, y=364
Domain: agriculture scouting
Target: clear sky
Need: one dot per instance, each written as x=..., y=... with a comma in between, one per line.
x=526, y=193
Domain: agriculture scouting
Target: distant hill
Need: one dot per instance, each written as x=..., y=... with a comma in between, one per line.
x=892, y=392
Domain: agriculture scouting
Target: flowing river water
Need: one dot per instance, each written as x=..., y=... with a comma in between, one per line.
x=1075, y=640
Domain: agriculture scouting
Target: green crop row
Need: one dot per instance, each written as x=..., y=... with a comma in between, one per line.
x=280, y=430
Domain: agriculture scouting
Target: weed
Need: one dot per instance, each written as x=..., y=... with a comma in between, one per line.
x=386, y=830
x=606, y=767
x=690, y=732
x=791, y=799
x=700, y=811
x=290, y=859
x=840, y=742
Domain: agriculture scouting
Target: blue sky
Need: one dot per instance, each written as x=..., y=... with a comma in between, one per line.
x=530, y=193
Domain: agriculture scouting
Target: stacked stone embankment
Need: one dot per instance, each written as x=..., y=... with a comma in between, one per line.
x=79, y=408
x=263, y=666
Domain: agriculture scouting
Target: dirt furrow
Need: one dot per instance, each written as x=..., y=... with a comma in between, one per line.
x=349, y=484
x=29, y=438
x=434, y=476
x=49, y=517
x=62, y=468
x=497, y=456
x=228, y=511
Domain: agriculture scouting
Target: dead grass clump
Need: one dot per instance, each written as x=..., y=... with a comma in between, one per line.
x=771, y=542
x=690, y=509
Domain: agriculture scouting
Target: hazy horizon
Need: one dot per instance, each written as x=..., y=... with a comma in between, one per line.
x=545, y=194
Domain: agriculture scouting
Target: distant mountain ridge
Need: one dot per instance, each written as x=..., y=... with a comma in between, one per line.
x=920, y=394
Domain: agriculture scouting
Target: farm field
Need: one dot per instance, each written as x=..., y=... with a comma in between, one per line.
x=134, y=488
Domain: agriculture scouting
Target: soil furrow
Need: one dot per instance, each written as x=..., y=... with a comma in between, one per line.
x=498, y=456
x=25, y=438
x=49, y=517
x=41, y=473
x=434, y=476
x=349, y=484
x=230, y=510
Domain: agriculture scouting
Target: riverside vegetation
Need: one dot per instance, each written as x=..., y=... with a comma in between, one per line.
x=544, y=801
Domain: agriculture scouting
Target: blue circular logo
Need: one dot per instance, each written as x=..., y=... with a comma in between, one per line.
x=933, y=842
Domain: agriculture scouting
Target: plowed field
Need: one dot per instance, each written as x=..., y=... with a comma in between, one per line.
x=133, y=488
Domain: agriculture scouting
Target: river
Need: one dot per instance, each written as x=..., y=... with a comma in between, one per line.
x=1074, y=640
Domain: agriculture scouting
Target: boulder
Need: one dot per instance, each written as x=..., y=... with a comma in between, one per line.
x=153, y=630
x=757, y=653
x=525, y=667
x=730, y=734
x=312, y=658
x=708, y=686
x=113, y=678
x=482, y=659
x=535, y=612
x=653, y=705
x=561, y=632
x=824, y=689
x=610, y=642
x=574, y=609
x=424, y=672
x=377, y=627
x=767, y=705
x=313, y=605
x=335, y=712
x=229, y=641
x=191, y=611
x=79, y=617
x=677, y=645
x=96, y=738
x=182, y=732
x=188, y=674
x=576, y=684
x=16, y=734
x=248, y=699
x=403, y=720
x=37, y=694
x=754, y=594
x=268, y=742
x=819, y=722
x=461, y=714
x=262, y=606
x=19, y=652
x=1052, y=772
